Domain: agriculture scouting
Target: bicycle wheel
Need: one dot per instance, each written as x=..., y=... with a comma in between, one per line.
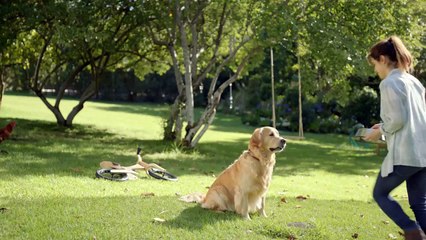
x=107, y=174
x=160, y=174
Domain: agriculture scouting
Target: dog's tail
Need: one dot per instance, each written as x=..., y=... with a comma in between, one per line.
x=193, y=197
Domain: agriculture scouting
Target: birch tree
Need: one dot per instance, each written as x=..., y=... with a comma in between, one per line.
x=203, y=38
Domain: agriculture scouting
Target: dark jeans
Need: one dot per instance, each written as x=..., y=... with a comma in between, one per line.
x=415, y=178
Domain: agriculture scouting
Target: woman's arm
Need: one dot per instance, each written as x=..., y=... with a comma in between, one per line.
x=392, y=108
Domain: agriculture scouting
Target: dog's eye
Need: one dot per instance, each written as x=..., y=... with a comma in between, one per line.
x=271, y=134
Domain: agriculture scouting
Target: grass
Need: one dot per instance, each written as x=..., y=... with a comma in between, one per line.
x=48, y=189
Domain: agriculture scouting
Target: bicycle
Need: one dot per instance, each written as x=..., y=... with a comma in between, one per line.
x=115, y=172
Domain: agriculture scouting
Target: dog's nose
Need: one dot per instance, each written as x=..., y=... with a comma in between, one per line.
x=283, y=141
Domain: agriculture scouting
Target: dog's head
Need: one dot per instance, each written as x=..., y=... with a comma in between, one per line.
x=267, y=138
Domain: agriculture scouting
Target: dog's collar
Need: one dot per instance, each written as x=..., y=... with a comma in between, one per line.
x=249, y=152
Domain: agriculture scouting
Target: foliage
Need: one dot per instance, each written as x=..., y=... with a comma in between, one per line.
x=65, y=38
x=364, y=105
x=332, y=39
x=318, y=115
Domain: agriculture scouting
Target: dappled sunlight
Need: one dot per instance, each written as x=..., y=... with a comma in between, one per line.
x=55, y=167
x=92, y=210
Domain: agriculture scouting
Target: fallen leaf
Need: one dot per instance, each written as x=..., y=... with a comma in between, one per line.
x=283, y=200
x=147, y=194
x=385, y=222
x=159, y=220
x=3, y=210
x=355, y=235
x=298, y=206
x=291, y=237
x=391, y=236
x=300, y=197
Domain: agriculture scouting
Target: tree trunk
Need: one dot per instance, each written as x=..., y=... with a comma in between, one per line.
x=273, y=88
x=300, y=99
x=73, y=113
x=189, y=96
x=60, y=120
x=1, y=86
x=171, y=126
x=195, y=132
x=88, y=93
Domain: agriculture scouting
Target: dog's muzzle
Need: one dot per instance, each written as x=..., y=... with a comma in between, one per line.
x=280, y=147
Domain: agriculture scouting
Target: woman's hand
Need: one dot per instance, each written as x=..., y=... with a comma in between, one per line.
x=374, y=134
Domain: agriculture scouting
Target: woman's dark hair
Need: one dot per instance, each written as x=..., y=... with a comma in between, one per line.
x=395, y=50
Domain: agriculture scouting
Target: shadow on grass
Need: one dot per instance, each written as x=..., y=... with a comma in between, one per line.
x=196, y=218
x=155, y=110
x=222, y=122
x=39, y=147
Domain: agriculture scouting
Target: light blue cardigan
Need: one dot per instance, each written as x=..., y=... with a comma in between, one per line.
x=403, y=113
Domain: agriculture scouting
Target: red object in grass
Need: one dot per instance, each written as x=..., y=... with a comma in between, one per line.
x=7, y=131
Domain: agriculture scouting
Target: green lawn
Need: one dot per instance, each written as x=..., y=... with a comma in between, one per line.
x=48, y=189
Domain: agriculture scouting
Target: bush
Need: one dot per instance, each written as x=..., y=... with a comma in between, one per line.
x=364, y=107
x=250, y=118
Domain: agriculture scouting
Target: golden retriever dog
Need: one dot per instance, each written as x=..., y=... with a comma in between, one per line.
x=243, y=185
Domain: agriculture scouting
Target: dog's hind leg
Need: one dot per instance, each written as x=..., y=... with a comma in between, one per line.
x=214, y=200
x=241, y=205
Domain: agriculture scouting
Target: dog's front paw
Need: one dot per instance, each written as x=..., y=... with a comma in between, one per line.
x=245, y=216
x=262, y=213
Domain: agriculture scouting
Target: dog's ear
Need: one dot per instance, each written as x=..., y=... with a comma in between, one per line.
x=255, y=139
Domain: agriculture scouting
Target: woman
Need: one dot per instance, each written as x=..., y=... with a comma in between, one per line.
x=403, y=114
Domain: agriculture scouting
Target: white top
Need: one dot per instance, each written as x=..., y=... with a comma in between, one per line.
x=403, y=112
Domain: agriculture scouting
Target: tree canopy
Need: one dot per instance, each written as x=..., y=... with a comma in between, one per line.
x=56, y=43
